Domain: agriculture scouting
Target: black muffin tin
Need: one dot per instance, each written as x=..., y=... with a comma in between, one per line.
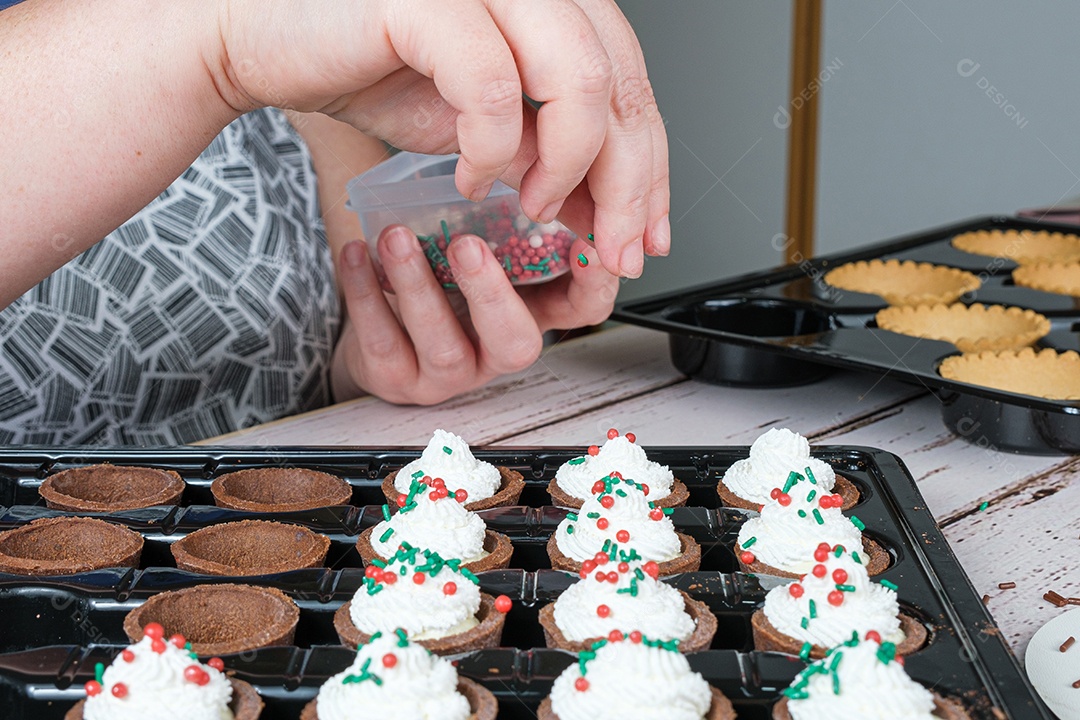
x=57, y=628
x=788, y=327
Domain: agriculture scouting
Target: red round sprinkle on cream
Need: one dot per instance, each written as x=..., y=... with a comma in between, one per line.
x=819, y=571
x=602, y=524
x=588, y=566
x=825, y=547
x=371, y=571
x=503, y=604
x=128, y=656
x=92, y=688
x=154, y=631
x=656, y=514
x=581, y=684
x=821, y=554
x=644, y=489
x=402, y=500
x=624, y=567
x=635, y=636
x=747, y=557
x=419, y=578
x=178, y=641
x=157, y=646
x=775, y=493
x=594, y=449
x=652, y=569
x=607, y=501
x=825, y=501
x=613, y=577
x=461, y=495
x=601, y=558
x=600, y=576
x=612, y=434
x=873, y=635
x=598, y=487
x=389, y=578
x=615, y=636
x=119, y=690
x=623, y=536
x=631, y=437
x=839, y=576
x=796, y=590
x=836, y=598
x=784, y=499
x=439, y=483
x=389, y=660
x=216, y=663
x=195, y=674
x=603, y=611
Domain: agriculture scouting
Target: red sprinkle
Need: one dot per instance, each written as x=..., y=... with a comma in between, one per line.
x=613, y=577
x=195, y=674
x=581, y=684
x=461, y=495
x=775, y=493
x=839, y=576
x=594, y=449
x=603, y=610
x=652, y=569
x=635, y=636
x=402, y=500
x=873, y=635
x=598, y=487
x=602, y=523
x=128, y=656
x=92, y=688
x=607, y=501
x=656, y=514
x=819, y=571
x=784, y=499
x=624, y=567
x=588, y=566
x=821, y=554
x=419, y=578
x=389, y=660
x=612, y=434
x=503, y=604
x=836, y=598
x=216, y=663
x=615, y=636
x=796, y=590
x=389, y=578
x=157, y=646
x=747, y=557
x=623, y=536
x=600, y=558
x=178, y=641
x=153, y=631
x=119, y=690
x=632, y=438
x=600, y=576
x=371, y=571
x=644, y=489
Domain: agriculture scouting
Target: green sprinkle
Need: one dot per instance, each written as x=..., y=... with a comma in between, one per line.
x=845, y=588
x=802, y=513
x=804, y=653
x=592, y=515
x=886, y=583
x=749, y=542
x=607, y=546
x=858, y=523
x=576, y=461
x=817, y=517
x=792, y=478
x=811, y=495
x=639, y=574
x=856, y=558
x=813, y=609
x=506, y=264
x=404, y=571
x=805, y=623
x=838, y=551
x=571, y=516
x=555, y=256
x=447, y=450
x=668, y=511
x=403, y=638
x=386, y=512
x=582, y=260
x=590, y=236
x=533, y=267
x=386, y=535
x=620, y=493
x=445, y=231
x=467, y=574
x=983, y=506
x=810, y=475
x=418, y=474
x=569, y=529
x=836, y=658
x=836, y=683
x=378, y=563
x=99, y=671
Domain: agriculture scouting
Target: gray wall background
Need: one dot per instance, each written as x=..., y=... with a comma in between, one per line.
x=909, y=137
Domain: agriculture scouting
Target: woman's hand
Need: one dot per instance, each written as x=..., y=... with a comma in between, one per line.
x=448, y=75
x=416, y=349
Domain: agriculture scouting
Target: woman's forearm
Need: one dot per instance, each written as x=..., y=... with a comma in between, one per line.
x=103, y=105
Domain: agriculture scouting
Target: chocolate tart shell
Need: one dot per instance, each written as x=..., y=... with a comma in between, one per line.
x=250, y=547
x=68, y=545
x=689, y=560
x=704, y=629
x=510, y=486
x=944, y=708
x=878, y=561
x=676, y=498
x=497, y=545
x=110, y=488
x=487, y=634
x=279, y=489
x=767, y=637
x=843, y=486
x=720, y=709
x=219, y=619
x=245, y=705
x=482, y=702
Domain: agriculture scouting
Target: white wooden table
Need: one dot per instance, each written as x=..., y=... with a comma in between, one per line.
x=622, y=377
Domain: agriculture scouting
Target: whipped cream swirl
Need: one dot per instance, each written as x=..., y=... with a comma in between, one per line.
x=619, y=518
x=642, y=680
x=858, y=680
x=785, y=536
x=411, y=684
x=618, y=454
x=427, y=597
x=774, y=456
x=153, y=687
x=826, y=606
x=635, y=600
x=441, y=524
x=448, y=456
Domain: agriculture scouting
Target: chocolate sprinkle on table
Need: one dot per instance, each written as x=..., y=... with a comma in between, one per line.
x=1067, y=644
x=1006, y=585
x=1055, y=599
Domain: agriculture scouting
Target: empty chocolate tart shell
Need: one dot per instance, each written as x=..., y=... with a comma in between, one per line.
x=111, y=488
x=68, y=545
x=250, y=547
x=279, y=489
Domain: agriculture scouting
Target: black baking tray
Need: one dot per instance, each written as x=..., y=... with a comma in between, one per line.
x=786, y=326
x=57, y=628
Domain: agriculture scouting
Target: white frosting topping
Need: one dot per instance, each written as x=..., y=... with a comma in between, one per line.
x=865, y=605
x=426, y=610
x=632, y=680
x=870, y=687
x=616, y=455
x=418, y=685
x=634, y=600
x=443, y=525
x=582, y=538
x=773, y=457
x=786, y=540
x=157, y=689
x=458, y=468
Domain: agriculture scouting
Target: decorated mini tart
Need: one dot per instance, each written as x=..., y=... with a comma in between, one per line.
x=393, y=677
x=432, y=516
x=479, y=485
x=573, y=481
x=774, y=456
x=438, y=602
x=824, y=607
x=619, y=521
x=861, y=679
x=631, y=676
x=798, y=518
x=159, y=679
x=613, y=595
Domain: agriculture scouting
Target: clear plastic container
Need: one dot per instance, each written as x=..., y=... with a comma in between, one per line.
x=418, y=191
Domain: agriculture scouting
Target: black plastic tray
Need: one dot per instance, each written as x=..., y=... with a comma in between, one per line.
x=56, y=629
x=787, y=327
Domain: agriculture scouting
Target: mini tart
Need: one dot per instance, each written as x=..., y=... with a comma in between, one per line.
x=279, y=490
x=721, y=708
x=68, y=545
x=110, y=488
x=482, y=702
x=510, y=486
x=768, y=638
x=944, y=708
x=487, y=634
x=878, y=561
x=676, y=498
x=688, y=560
x=1021, y=246
x=904, y=283
x=1061, y=278
x=219, y=619
x=245, y=705
x=971, y=328
x=705, y=625
x=497, y=545
x=250, y=547
x=1046, y=373
x=843, y=487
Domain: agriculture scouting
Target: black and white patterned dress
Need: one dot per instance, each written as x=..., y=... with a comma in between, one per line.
x=212, y=309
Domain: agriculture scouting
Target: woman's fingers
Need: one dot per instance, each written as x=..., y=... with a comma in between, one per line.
x=582, y=298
